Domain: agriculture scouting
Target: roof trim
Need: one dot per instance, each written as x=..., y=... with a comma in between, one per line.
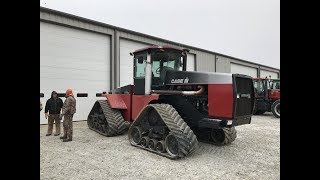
x=44, y=9
x=157, y=47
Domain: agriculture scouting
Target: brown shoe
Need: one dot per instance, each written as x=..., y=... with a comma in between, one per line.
x=48, y=134
x=56, y=134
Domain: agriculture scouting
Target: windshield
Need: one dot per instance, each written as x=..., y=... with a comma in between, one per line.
x=162, y=61
x=166, y=60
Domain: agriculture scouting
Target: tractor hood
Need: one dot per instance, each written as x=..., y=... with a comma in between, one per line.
x=192, y=77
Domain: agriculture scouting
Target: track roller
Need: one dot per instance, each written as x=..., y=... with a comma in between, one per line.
x=144, y=141
x=160, y=146
x=152, y=144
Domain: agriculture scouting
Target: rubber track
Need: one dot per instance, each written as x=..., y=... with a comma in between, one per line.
x=116, y=124
x=230, y=136
x=188, y=142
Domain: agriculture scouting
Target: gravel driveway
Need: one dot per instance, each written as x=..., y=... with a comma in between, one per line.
x=255, y=154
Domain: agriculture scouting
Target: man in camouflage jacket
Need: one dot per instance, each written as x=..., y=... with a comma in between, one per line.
x=68, y=110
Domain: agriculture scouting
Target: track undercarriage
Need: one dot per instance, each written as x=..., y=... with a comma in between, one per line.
x=105, y=120
x=160, y=129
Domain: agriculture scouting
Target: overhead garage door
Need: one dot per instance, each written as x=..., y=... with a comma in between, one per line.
x=76, y=59
x=240, y=69
x=264, y=73
x=126, y=60
x=191, y=61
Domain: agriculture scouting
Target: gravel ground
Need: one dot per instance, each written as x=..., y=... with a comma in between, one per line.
x=255, y=154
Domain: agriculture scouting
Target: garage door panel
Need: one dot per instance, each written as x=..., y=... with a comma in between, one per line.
x=81, y=53
x=60, y=32
x=76, y=59
x=74, y=43
x=191, y=58
x=240, y=69
x=64, y=62
x=84, y=52
x=63, y=84
x=73, y=74
x=264, y=73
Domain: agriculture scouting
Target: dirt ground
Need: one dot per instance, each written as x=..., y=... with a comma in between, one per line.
x=255, y=154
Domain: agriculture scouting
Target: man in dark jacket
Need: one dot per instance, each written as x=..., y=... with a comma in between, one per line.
x=68, y=110
x=52, y=113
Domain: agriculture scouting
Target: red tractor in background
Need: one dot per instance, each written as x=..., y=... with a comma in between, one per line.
x=267, y=96
x=169, y=109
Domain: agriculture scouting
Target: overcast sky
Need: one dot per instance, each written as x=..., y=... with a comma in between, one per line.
x=246, y=29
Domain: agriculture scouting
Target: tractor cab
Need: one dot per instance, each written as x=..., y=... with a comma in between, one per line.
x=151, y=65
x=267, y=88
x=267, y=95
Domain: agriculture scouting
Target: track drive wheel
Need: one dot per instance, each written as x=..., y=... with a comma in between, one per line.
x=223, y=136
x=172, y=145
x=135, y=135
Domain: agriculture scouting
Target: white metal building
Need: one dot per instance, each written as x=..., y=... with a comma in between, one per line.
x=91, y=57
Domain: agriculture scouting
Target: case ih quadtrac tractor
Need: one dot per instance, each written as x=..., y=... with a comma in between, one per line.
x=170, y=109
x=267, y=96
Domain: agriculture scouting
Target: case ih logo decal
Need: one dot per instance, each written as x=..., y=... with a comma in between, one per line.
x=186, y=80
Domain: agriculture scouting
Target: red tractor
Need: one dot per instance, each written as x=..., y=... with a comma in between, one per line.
x=169, y=109
x=267, y=96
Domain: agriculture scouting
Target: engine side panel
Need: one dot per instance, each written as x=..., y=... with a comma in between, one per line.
x=220, y=100
x=122, y=102
x=116, y=100
x=193, y=77
x=139, y=102
x=274, y=94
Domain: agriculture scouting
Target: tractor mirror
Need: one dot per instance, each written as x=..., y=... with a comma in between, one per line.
x=140, y=60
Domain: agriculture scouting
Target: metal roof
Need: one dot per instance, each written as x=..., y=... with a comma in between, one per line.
x=144, y=35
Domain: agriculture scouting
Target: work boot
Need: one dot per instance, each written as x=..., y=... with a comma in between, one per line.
x=48, y=134
x=63, y=137
x=66, y=140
